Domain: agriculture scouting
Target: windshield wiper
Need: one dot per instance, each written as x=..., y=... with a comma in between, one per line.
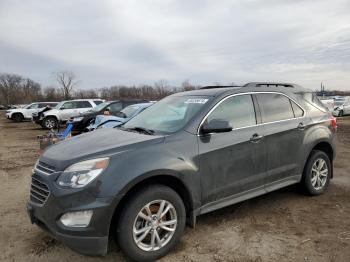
x=138, y=129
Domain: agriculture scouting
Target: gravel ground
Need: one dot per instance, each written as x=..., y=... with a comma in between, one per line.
x=281, y=226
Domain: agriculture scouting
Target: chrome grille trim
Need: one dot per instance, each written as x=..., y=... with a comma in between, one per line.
x=44, y=168
x=39, y=191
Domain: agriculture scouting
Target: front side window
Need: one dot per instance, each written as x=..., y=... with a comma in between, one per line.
x=130, y=110
x=68, y=105
x=237, y=110
x=274, y=107
x=115, y=107
x=169, y=114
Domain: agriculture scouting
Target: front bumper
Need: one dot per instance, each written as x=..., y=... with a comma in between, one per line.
x=90, y=240
x=8, y=115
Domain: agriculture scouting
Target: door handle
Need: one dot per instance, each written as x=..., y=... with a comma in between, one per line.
x=256, y=138
x=301, y=126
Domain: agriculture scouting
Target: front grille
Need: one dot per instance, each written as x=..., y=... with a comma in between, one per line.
x=39, y=192
x=45, y=168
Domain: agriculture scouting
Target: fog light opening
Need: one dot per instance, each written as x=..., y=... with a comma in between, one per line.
x=77, y=219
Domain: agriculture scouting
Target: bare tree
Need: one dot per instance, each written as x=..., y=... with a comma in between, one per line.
x=67, y=81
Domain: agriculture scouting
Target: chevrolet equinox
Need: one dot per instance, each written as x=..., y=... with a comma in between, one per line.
x=189, y=154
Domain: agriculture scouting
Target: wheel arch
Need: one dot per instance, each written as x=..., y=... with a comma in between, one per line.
x=16, y=113
x=171, y=181
x=325, y=147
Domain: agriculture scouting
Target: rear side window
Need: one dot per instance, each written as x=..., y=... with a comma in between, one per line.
x=97, y=102
x=83, y=104
x=237, y=110
x=274, y=107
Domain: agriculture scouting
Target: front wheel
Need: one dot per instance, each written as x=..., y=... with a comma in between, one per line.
x=151, y=223
x=317, y=173
x=50, y=122
x=17, y=117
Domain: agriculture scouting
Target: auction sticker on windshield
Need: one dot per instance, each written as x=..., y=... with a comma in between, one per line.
x=196, y=101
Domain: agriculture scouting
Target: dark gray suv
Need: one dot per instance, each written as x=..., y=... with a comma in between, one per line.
x=189, y=154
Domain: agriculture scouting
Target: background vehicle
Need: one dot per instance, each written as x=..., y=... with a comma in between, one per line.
x=65, y=110
x=341, y=106
x=328, y=102
x=109, y=121
x=189, y=154
x=20, y=114
x=84, y=119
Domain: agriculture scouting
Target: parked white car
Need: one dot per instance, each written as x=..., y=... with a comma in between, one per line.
x=66, y=110
x=341, y=106
x=20, y=114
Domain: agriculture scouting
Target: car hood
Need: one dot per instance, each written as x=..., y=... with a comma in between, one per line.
x=16, y=110
x=102, y=142
x=51, y=112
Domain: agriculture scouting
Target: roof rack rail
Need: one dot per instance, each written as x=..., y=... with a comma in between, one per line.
x=268, y=84
x=210, y=87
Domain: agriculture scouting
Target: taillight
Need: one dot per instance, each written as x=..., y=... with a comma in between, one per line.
x=334, y=123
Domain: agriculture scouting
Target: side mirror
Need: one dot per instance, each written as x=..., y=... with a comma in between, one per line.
x=216, y=126
x=62, y=108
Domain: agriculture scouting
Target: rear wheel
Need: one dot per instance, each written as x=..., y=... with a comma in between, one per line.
x=17, y=117
x=151, y=223
x=317, y=173
x=50, y=122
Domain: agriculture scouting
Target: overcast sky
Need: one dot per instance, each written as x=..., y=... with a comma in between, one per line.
x=134, y=42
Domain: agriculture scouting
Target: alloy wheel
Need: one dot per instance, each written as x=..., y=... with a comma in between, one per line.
x=155, y=225
x=50, y=123
x=319, y=174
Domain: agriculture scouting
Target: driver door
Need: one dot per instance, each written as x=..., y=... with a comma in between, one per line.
x=232, y=163
x=32, y=109
x=67, y=110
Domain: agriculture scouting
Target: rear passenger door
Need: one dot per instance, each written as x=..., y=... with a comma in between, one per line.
x=284, y=129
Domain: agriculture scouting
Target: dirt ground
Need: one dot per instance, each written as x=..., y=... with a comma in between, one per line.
x=281, y=226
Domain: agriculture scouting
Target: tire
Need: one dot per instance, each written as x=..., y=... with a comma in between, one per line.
x=315, y=181
x=17, y=117
x=130, y=220
x=50, y=122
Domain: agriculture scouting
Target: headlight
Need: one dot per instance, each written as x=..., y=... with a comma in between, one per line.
x=80, y=174
x=77, y=119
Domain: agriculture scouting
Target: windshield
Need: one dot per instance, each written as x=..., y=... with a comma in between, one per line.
x=100, y=106
x=59, y=105
x=169, y=114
